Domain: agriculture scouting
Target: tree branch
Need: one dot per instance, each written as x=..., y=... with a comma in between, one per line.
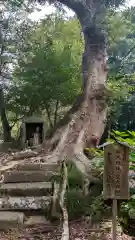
x=82, y=8
x=15, y=121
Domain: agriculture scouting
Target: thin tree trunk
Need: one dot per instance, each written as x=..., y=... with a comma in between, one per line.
x=48, y=115
x=30, y=112
x=56, y=113
x=106, y=133
x=5, y=123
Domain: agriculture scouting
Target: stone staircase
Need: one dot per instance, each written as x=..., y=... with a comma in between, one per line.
x=26, y=191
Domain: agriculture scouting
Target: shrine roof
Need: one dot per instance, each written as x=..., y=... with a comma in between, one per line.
x=33, y=119
x=118, y=142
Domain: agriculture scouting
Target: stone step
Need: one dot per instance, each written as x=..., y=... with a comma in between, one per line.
x=26, y=189
x=38, y=167
x=11, y=219
x=27, y=176
x=24, y=203
x=35, y=220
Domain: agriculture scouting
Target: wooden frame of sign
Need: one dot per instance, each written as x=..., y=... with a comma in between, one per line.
x=116, y=170
x=115, y=180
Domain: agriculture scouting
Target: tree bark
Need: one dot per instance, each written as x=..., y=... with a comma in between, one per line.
x=48, y=115
x=56, y=113
x=5, y=123
x=87, y=118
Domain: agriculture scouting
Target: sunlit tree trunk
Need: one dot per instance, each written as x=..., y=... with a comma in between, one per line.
x=5, y=123
x=84, y=124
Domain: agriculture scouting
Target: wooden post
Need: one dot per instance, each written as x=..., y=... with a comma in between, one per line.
x=114, y=220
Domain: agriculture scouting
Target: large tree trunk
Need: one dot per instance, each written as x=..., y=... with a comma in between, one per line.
x=5, y=123
x=86, y=120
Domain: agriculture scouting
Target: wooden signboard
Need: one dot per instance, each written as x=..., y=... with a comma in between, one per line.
x=116, y=168
x=116, y=182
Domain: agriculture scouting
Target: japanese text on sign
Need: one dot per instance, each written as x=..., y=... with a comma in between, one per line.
x=116, y=172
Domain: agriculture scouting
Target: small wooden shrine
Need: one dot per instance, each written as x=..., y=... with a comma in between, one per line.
x=32, y=131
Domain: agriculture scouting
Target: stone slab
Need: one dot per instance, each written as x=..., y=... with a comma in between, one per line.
x=10, y=165
x=37, y=167
x=24, y=203
x=27, y=176
x=11, y=219
x=34, y=220
x=26, y=189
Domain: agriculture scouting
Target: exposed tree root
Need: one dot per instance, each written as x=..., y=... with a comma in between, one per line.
x=65, y=233
x=54, y=210
x=86, y=121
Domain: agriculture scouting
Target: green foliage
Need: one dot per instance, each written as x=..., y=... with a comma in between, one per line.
x=47, y=61
x=97, y=161
x=78, y=205
x=127, y=136
x=16, y=3
x=98, y=209
x=48, y=76
x=75, y=178
x=121, y=51
x=108, y=3
x=127, y=208
x=121, y=41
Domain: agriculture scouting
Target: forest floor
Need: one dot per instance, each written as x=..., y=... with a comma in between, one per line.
x=79, y=230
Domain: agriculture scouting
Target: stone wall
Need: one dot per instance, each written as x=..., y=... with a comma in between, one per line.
x=6, y=146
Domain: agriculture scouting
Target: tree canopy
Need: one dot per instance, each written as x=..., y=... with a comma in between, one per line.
x=45, y=56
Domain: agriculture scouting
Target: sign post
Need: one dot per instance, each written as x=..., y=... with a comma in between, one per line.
x=114, y=220
x=115, y=181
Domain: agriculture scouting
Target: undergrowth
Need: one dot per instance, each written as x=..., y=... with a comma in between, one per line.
x=78, y=204
x=93, y=205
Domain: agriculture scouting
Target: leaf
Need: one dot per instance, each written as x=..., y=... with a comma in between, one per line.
x=133, y=197
x=131, y=213
x=132, y=168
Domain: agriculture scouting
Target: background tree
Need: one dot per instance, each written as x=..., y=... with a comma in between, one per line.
x=5, y=59
x=121, y=74
x=48, y=73
x=86, y=120
x=121, y=49
x=12, y=29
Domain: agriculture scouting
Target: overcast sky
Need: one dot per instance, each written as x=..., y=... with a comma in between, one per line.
x=45, y=11
x=49, y=9
x=131, y=2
